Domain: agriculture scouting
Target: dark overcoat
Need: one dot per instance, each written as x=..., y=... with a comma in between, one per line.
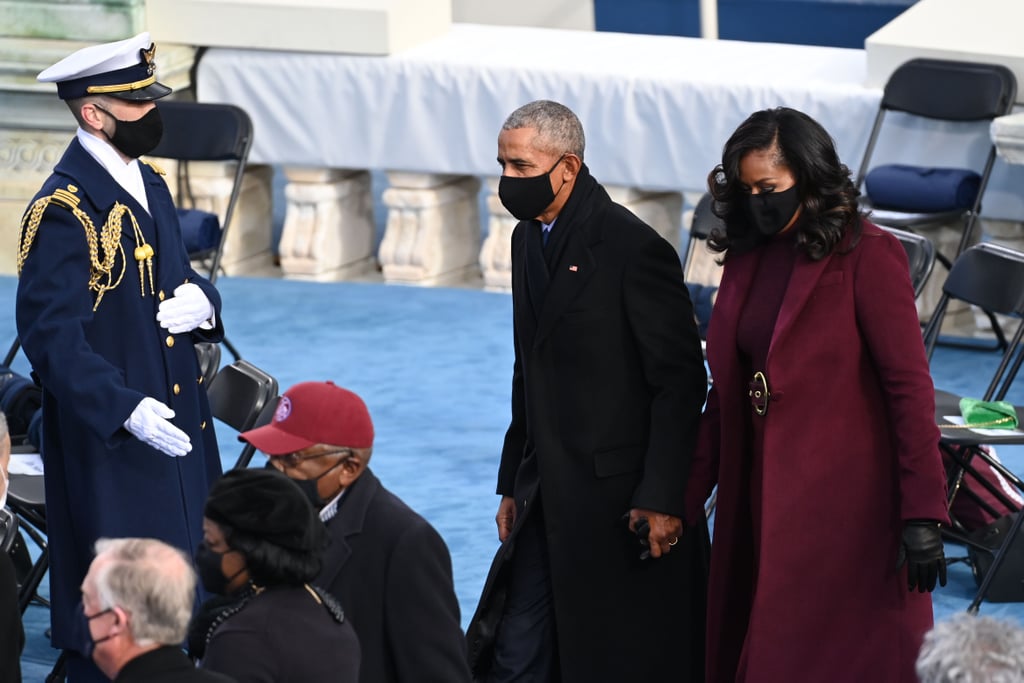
x=168, y=664
x=850, y=451
x=95, y=367
x=607, y=389
x=392, y=573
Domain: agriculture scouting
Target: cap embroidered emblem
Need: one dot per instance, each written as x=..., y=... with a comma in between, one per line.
x=147, y=57
x=284, y=409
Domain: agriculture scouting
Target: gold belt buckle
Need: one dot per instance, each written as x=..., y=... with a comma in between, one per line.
x=759, y=394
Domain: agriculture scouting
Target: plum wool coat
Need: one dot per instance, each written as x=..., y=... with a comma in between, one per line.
x=850, y=451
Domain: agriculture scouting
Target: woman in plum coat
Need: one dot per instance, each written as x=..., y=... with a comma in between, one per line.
x=819, y=429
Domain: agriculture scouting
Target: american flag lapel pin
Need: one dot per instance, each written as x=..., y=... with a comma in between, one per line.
x=573, y=269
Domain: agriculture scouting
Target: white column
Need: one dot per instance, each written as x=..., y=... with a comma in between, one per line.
x=709, y=19
x=496, y=253
x=247, y=249
x=328, y=228
x=433, y=229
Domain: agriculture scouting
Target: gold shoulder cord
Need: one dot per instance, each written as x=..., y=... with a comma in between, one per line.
x=102, y=277
x=978, y=425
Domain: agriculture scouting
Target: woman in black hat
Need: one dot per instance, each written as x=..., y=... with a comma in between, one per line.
x=262, y=544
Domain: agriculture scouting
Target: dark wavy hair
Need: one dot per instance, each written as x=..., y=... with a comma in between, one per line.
x=274, y=565
x=827, y=194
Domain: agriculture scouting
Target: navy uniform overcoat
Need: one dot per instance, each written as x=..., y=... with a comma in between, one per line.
x=96, y=365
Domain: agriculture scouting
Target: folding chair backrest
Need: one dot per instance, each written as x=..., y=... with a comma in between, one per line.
x=950, y=90
x=203, y=131
x=704, y=221
x=239, y=393
x=920, y=254
x=208, y=355
x=991, y=277
x=265, y=417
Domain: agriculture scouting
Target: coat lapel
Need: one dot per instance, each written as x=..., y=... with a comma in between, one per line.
x=571, y=273
x=801, y=285
x=737, y=279
x=348, y=522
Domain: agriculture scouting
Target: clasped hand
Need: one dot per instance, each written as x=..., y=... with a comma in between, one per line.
x=921, y=550
x=665, y=530
x=186, y=310
x=150, y=423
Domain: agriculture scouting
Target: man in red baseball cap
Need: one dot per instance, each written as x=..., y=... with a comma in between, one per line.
x=388, y=566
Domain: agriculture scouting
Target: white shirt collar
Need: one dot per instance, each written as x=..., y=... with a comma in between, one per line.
x=128, y=176
x=327, y=512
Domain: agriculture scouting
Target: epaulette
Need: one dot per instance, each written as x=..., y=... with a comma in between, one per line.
x=156, y=167
x=104, y=247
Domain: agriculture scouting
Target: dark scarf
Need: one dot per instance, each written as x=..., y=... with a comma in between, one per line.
x=541, y=258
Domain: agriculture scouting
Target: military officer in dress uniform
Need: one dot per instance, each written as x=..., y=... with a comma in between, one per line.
x=108, y=310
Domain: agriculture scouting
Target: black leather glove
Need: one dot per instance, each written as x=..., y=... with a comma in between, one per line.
x=921, y=551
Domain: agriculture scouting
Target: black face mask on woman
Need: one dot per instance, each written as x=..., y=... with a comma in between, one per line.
x=770, y=212
x=526, y=198
x=208, y=567
x=135, y=138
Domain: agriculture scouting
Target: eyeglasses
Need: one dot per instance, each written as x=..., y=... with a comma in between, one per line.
x=292, y=460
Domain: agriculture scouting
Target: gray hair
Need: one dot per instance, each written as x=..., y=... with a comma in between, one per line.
x=970, y=649
x=558, y=130
x=150, y=580
x=3, y=425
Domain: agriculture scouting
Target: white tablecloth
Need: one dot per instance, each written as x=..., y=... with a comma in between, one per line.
x=656, y=109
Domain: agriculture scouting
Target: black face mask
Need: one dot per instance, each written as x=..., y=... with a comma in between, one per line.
x=87, y=644
x=135, y=138
x=311, y=489
x=208, y=566
x=526, y=198
x=770, y=212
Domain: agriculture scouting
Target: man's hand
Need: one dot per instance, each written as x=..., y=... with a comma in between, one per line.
x=506, y=517
x=186, y=310
x=150, y=423
x=665, y=529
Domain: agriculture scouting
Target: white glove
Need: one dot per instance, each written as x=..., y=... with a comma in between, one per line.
x=186, y=310
x=150, y=423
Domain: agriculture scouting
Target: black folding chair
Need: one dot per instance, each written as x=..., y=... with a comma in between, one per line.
x=701, y=225
x=920, y=255
x=992, y=277
x=962, y=93
x=202, y=131
x=240, y=395
x=966, y=96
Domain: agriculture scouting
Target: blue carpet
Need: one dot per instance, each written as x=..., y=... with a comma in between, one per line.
x=434, y=366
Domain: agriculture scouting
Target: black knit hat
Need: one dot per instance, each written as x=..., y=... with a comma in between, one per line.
x=265, y=504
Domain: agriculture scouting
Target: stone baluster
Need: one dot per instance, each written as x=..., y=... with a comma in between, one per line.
x=433, y=229
x=328, y=228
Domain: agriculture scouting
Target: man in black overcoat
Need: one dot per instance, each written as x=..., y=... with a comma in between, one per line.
x=607, y=389
x=388, y=567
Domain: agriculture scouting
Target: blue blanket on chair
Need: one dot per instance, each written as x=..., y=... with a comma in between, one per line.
x=922, y=189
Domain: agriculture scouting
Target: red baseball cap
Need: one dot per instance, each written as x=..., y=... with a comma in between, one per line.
x=310, y=413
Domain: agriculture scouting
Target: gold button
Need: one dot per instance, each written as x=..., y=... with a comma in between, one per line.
x=170, y=341
x=202, y=425
x=200, y=379
x=160, y=295
x=177, y=389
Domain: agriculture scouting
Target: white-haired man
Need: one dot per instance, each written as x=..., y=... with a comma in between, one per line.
x=137, y=600
x=972, y=649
